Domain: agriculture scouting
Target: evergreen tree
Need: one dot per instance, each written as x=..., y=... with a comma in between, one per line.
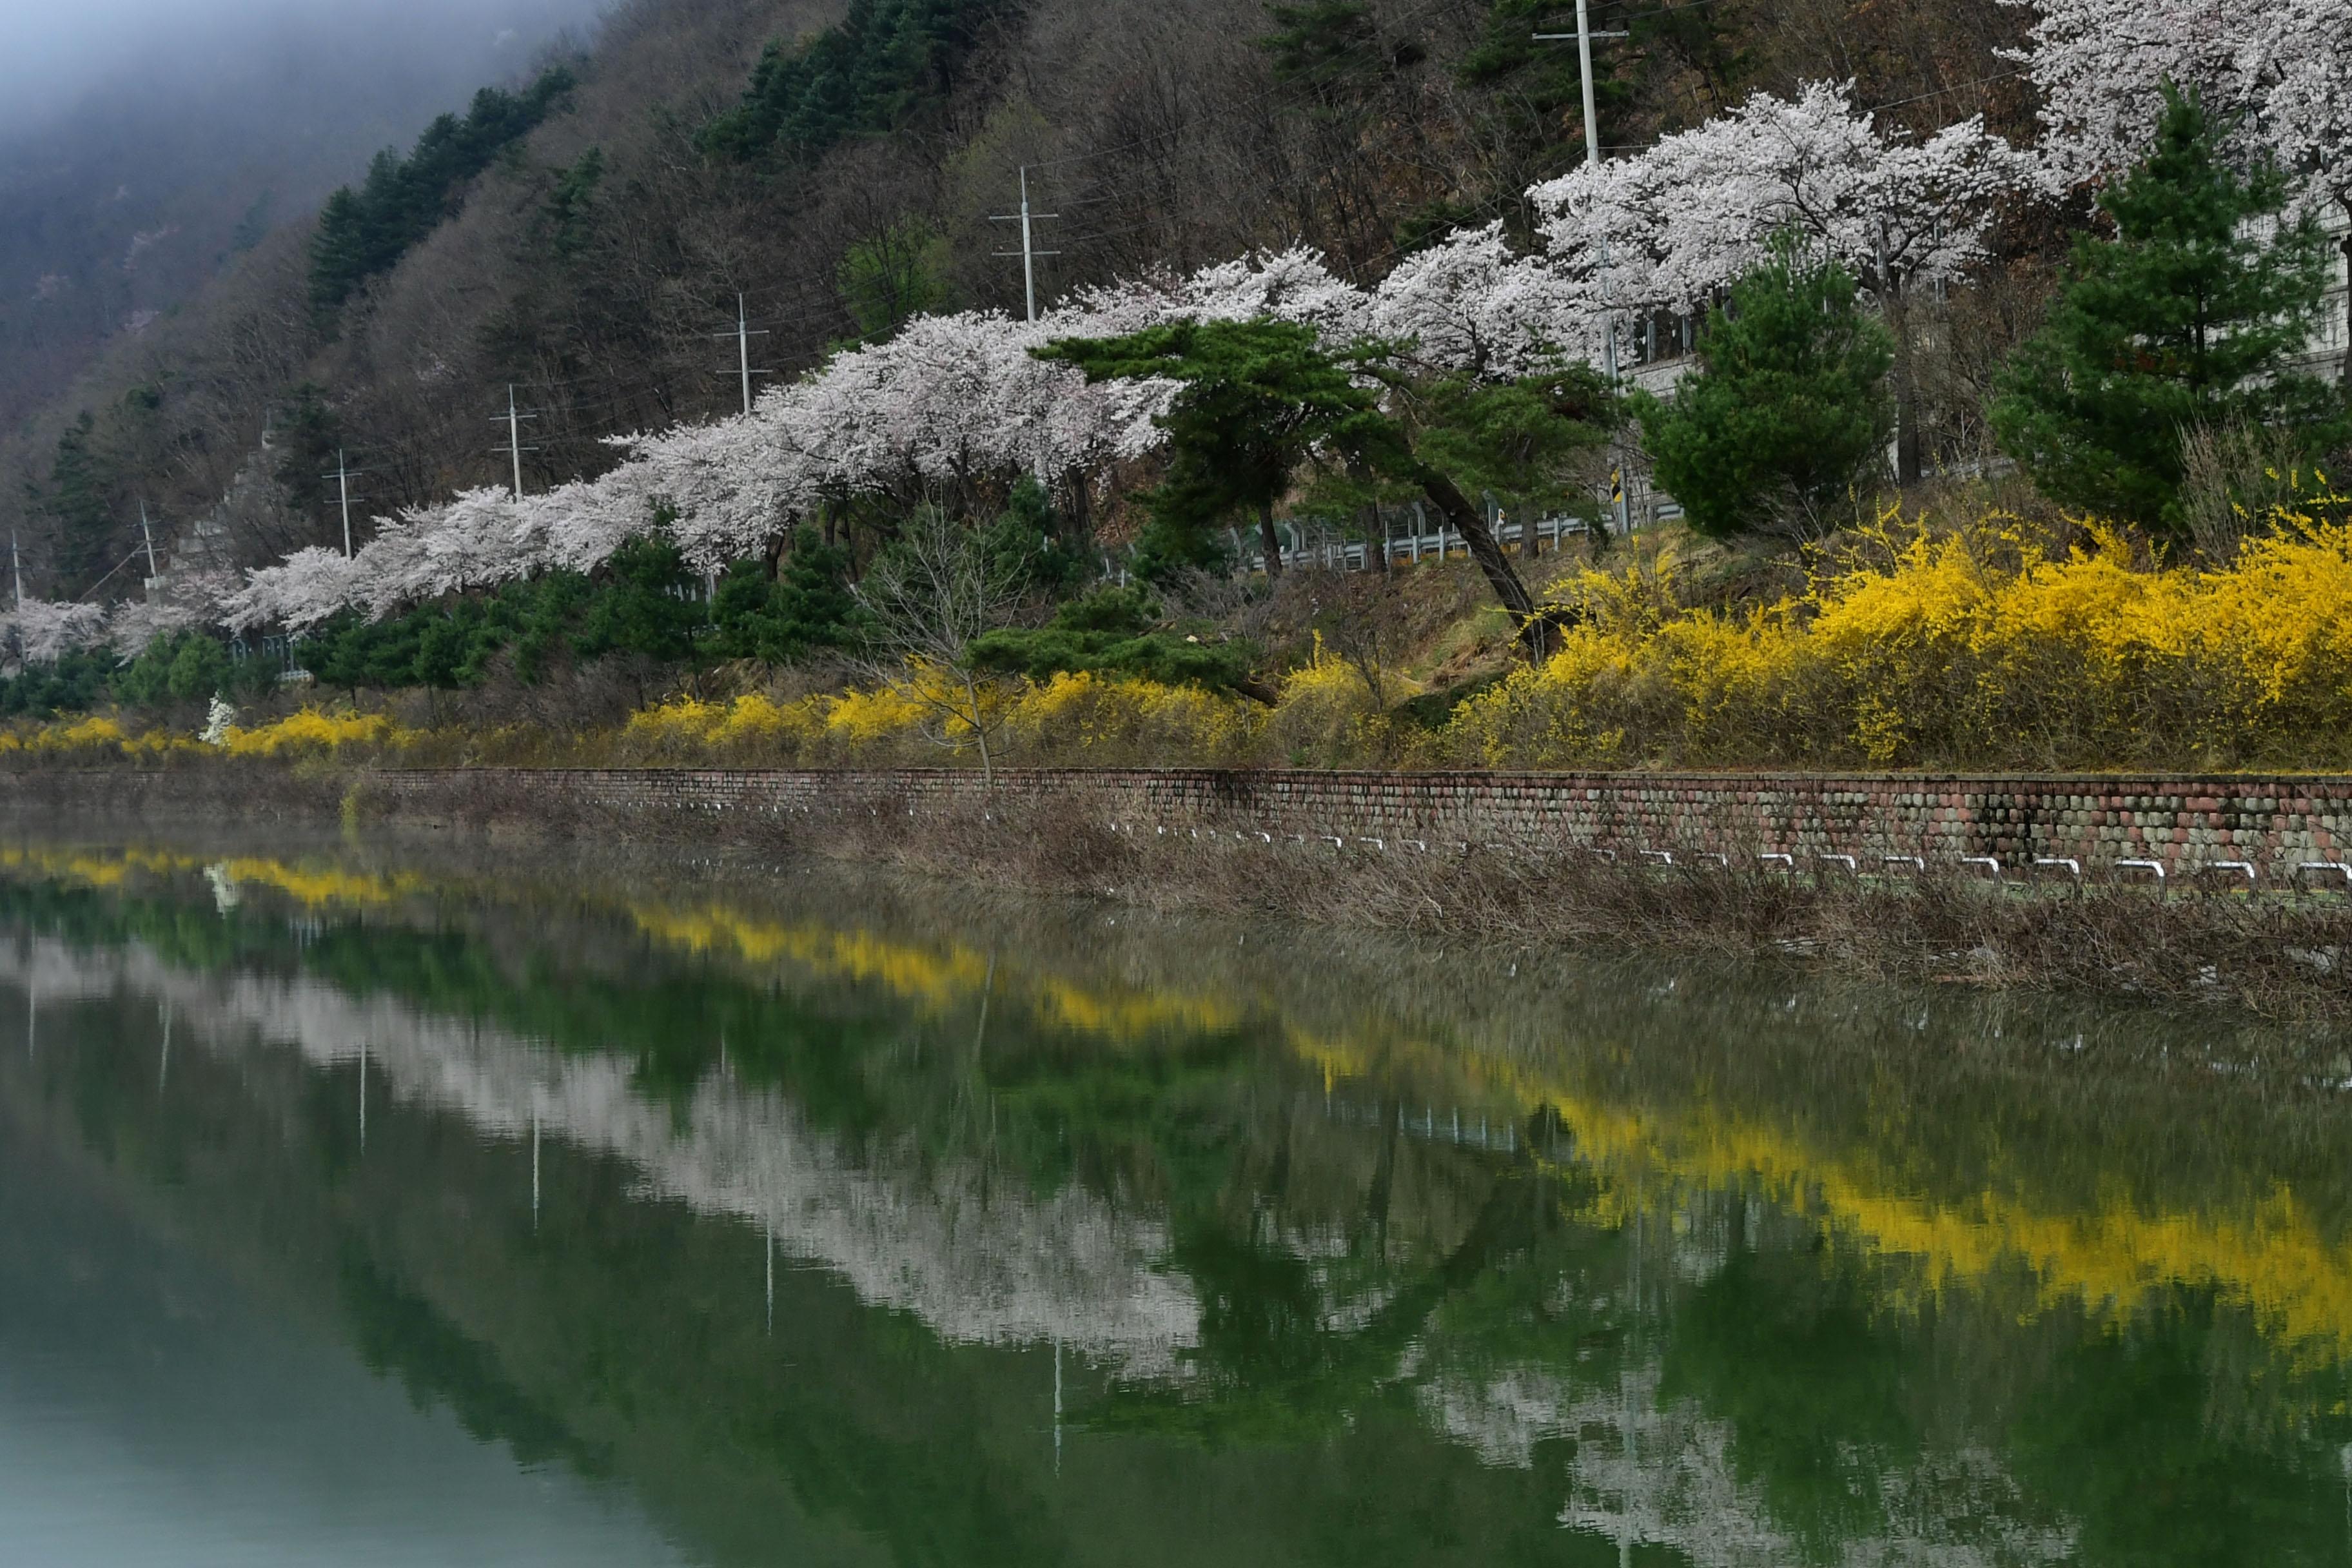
x=366, y=232
x=807, y=608
x=1115, y=631
x=1788, y=411
x=1259, y=401
x=650, y=606
x=1258, y=398
x=78, y=506
x=865, y=75
x=2190, y=316
x=309, y=440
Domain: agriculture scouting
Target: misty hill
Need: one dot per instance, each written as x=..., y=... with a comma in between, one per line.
x=163, y=166
x=840, y=167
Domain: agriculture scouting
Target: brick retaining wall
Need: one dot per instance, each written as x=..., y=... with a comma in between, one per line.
x=2183, y=823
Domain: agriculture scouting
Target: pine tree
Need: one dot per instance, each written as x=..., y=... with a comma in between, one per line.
x=2191, y=316
x=79, y=505
x=1788, y=411
x=1261, y=400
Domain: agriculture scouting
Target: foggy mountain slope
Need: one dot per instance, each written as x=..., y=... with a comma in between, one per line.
x=144, y=146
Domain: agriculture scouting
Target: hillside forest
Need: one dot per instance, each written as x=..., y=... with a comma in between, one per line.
x=1847, y=296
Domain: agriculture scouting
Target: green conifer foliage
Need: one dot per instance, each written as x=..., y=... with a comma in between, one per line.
x=808, y=606
x=2191, y=316
x=79, y=505
x=1789, y=410
x=364, y=232
x=862, y=76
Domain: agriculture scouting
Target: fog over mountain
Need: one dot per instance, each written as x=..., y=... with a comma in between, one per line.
x=197, y=49
x=143, y=144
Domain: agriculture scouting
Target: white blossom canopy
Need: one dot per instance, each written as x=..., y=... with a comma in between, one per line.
x=1670, y=228
x=2275, y=70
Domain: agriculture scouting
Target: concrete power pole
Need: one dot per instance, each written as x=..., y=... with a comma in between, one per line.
x=342, y=492
x=16, y=564
x=1028, y=253
x=1584, y=35
x=513, y=420
x=147, y=531
x=743, y=334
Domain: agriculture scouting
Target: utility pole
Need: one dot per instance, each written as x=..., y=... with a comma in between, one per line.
x=343, y=476
x=743, y=334
x=1028, y=253
x=513, y=421
x=16, y=564
x=1584, y=35
x=148, y=533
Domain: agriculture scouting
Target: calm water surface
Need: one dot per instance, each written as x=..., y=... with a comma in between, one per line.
x=359, y=1206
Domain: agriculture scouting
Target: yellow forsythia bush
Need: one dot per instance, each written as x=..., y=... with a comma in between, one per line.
x=1984, y=648
x=1071, y=720
x=311, y=731
x=1084, y=719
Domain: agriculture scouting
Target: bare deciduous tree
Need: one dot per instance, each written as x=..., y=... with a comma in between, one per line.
x=934, y=592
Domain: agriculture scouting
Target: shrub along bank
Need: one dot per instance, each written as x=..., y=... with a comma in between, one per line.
x=1999, y=645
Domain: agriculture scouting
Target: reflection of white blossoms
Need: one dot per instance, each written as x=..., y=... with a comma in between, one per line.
x=977, y=1261
x=1652, y=1473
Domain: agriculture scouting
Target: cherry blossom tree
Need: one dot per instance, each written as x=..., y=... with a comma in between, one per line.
x=1470, y=305
x=42, y=631
x=2274, y=70
x=1671, y=228
x=188, y=600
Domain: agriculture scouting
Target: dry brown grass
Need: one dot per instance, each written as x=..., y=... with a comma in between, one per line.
x=2280, y=956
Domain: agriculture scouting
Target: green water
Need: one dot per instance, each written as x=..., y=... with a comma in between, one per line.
x=365, y=1205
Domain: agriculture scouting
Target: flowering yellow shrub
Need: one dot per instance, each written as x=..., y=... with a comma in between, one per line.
x=1088, y=718
x=312, y=731
x=1987, y=648
x=1327, y=715
x=864, y=718
x=750, y=724
x=82, y=735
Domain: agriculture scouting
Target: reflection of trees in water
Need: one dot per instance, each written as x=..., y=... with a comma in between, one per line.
x=1261, y=1268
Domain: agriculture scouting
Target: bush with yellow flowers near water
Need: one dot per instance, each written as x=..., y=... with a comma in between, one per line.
x=2002, y=645
x=1987, y=648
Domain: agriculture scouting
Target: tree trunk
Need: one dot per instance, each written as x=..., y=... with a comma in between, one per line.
x=1080, y=515
x=980, y=732
x=1535, y=632
x=1270, y=540
x=2344, y=374
x=1908, y=443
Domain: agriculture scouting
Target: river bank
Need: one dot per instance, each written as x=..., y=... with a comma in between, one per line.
x=1237, y=844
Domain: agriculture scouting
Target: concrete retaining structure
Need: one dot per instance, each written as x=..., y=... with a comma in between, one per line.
x=2275, y=823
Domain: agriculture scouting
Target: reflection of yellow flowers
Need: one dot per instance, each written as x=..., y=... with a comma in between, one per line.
x=937, y=978
x=2273, y=1255
x=314, y=886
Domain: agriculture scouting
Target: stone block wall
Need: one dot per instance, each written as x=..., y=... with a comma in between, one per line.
x=2276, y=823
